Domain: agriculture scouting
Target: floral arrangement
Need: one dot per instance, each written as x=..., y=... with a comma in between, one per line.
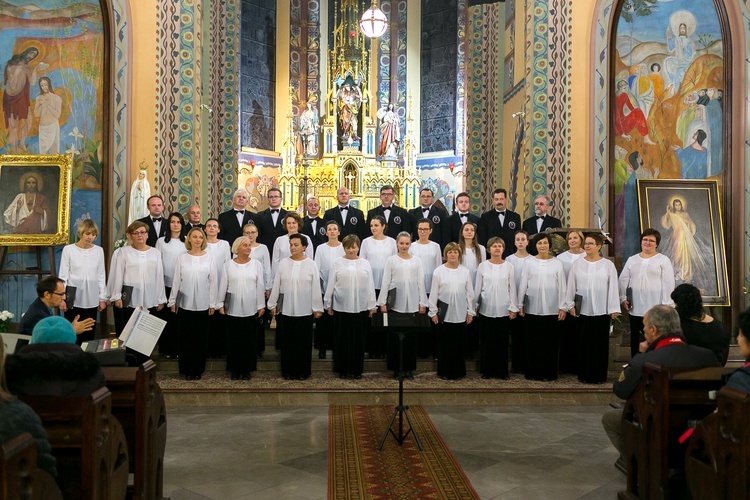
x=120, y=243
x=5, y=317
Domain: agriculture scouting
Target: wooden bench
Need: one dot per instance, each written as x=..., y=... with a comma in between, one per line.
x=717, y=462
x=653, y=419
x=88, y=443
x=19, y=477
x=138, y=404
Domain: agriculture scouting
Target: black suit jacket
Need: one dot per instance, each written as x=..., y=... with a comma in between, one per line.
x=36, y=312
x=186, y=229
x=229, y=228
x=454, y=221
x=319, y=236
x=268, y=231
x=441, y=232
x=529, y=225
x=355, y=221
x=152, y=236
x=489, y=226
x=398, y=220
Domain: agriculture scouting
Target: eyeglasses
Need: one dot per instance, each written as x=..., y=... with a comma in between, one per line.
x=61, y=294
x=139, y=233
x=423, y=229
x=648, y=240
x=589, y=243
x=274, y=196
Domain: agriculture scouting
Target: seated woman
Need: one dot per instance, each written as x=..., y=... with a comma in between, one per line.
x=699, y=328
x=739, y=380
x=16, y=417
x=52, y=364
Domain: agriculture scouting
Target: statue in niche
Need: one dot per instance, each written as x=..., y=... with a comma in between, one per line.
x=140, y=191
x=308, y=130
x=350, y=99
x=390, y=132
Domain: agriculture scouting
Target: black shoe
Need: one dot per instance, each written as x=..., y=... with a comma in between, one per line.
x=410, y=375
x=197, y=377
x=486, y=377
x=287, y=377
x=342, y=376
x=260, y=355
x=357, y=377
x=322, y=354
x=395, y=375
x=235, y=376
x=245, y=376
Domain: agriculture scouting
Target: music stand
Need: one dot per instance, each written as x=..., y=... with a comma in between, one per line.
x=401, y=410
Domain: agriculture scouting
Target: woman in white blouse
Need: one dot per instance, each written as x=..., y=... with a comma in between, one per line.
x=650, y=277
x=220, y=251
x=292, y=224
x=171, y=246
x=376, y=250
x=472, y=254
x=429, y=253
x=242, y=298
x=324, y=257
x=117, y=313
x=350, y=299
x=259, y=253
x=298, y=281
x=518, y=325
x=594, y=279
x=82, y=267
x=496, y=305
x=451, y=286
x=542, y=295
x=570, y=327
x=194, y=298
x=403, y=272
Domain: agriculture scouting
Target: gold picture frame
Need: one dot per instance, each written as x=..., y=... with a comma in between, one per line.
x=687, y=213
x=35, y=199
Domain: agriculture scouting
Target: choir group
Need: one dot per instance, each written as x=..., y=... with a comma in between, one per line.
x=485, y=283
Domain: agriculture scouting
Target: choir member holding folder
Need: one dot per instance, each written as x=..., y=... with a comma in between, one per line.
x=194, y=298
x=518, y=325
x=324, y=257
x=542, y=293
x=592, y=297
x=496, y=306
x=259, y=252
x=295, y=299
x=221, y=252
x=571, y=326
x=170, y=246
x=403, y=282
x=452, y=307
x=242, y=299
x=350, y=299
x=429, y=253
x=82, y=270
x=472, y=254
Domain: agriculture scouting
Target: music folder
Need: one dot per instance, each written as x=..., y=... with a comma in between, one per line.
x=577, y=302
x=391, y=299
x=442, y=310
x=70, y=296
x=629, y=296
x=279, y=303
x=126, y=295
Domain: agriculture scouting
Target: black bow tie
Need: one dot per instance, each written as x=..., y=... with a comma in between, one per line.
x=274, y=210
x=344, y=208
x=239, y=212
x=386, y=208
x=501, y=213
x=463, y=215
x=540, y=217
x=156, y=219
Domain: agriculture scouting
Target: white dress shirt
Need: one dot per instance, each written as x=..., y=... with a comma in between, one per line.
x=652, y=281
x=195, y=283
x=324, y=257
x=350, y=287
x=452, y=286
x=596, y=283
x=496, y=289
x=377, y=252
x=83, y=268
x=543, y=281
x=299, y=281
x=431, y=258
x=245, y=284
x=169, y=253
x=143, y=271
x=405, y=275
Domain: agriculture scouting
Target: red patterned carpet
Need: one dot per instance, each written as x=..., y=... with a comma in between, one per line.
x=357, y=470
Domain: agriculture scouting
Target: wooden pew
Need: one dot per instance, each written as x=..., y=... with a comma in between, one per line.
x=717, y=462
x=138, y=404
x=19, y=477
x=88, y=443
x=653, y=419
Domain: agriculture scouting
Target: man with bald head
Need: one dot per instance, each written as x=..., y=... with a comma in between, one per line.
x=351, y=220
x=541, y=219
x=192, y=219
x=232, y=221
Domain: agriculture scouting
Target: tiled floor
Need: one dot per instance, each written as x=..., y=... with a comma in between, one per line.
x=281, y=453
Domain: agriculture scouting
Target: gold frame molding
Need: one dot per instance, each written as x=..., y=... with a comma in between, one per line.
x=39, y=164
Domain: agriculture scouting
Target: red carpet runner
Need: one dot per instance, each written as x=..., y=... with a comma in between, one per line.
x=357, y=470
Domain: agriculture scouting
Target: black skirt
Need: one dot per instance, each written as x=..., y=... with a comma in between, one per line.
x=242, y=356
x=569, y=345
x=170, y=339
x=296, y=346
x=193, y=330
x=349, y=342
x=450, y=349
x=593, y=349
x=493, y=357
x=542, y=347
x=518, y=344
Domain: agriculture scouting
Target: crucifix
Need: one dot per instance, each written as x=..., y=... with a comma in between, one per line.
x=349, y=183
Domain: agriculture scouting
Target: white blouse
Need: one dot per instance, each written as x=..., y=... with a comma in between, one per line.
x=431, y=258
x=405, y=275
x=112, y=271
x=281, y=250
x=242, y=293
x=83, y=268
x=324, y=257
x=143, y=271
x=169, y=253
x=350, y=287
x=260, y=254
x=518, y=263
x=299, y=281
x=543, y=282
x=452, y=286
x=596, y=283
x=567, y=259
x=469, y=260
x=496, y=289
x=195, y=283
x=652, y=281
x=221, y=253
x=377, y=252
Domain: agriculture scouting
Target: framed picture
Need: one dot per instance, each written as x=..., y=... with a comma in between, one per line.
x=35, y=199
x=687, y=214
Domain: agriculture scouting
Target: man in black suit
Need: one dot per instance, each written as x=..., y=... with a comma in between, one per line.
x=50, y=293
x=192, y=219
x=499, y=222
x=270, y=221
x=541, y=220
x=396, y=218
x=313, y=225
x=232, y=221
x=439, y=216
x=461, y=216
x=351, y=220
x=157, y=225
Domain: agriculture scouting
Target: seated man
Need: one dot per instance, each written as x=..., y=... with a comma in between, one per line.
x=52, y=364
x=50, y=293
x=665, y=346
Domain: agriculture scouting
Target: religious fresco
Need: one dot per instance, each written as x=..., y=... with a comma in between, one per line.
x=51, y=57
x=667, y=102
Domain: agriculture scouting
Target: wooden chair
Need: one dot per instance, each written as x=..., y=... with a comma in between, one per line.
x=19, y=477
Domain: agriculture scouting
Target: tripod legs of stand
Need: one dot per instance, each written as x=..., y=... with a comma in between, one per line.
x=401, y=410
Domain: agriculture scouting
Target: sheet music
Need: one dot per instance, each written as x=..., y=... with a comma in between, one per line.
x=143, y=333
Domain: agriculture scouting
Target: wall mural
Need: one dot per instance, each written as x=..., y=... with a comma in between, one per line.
x=667, y=103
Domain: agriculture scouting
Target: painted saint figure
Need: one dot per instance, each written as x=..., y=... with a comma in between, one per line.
x=688, y=255
x=390, y=131
x=18, y=79
x=48, y=108
x=681, y=47
x=350, y=99
x=308, y=129
x=140, y=191
x=627, y=116
x=694, y=158
x=29, y=213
